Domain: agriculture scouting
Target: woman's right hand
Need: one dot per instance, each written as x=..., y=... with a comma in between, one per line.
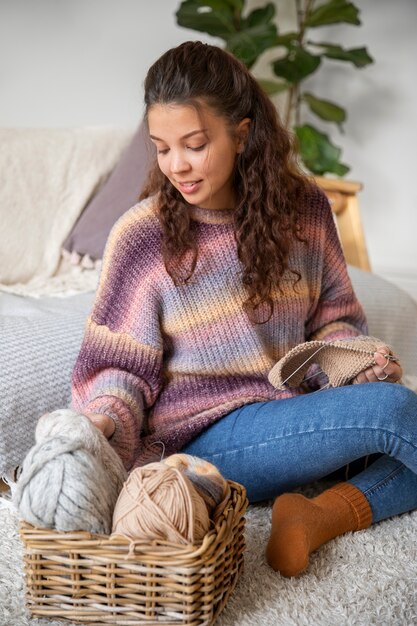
x=103, y=422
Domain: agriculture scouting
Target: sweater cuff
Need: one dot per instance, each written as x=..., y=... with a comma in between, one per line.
x=126, y=437
x=335, y=330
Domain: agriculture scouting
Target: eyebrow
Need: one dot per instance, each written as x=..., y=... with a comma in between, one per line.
x=193, y=132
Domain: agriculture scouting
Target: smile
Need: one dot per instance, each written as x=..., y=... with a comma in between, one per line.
x=189, y=187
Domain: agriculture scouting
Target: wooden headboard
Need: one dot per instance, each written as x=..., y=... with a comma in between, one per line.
x=343, y=199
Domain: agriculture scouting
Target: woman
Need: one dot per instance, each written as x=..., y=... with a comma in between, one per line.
x=230, y=261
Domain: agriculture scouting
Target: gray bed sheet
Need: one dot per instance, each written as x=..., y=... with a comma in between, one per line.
x=40, y=340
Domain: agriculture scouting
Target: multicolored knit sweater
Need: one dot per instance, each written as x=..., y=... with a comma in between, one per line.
x=165, y=362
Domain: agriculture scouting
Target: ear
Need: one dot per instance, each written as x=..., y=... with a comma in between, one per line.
x=242, y=131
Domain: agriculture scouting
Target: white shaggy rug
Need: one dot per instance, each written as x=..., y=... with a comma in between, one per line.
x=362, y=579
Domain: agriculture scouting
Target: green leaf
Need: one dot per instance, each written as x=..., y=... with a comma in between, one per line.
x=236, y=4
x=259, y=16
x=249, y=44
x=215, y=17
x=319, y=155
x=334, y=12
x=296, y=65
x=325, y=109
x=246, y=38
x=358, y=56
x=288, y=40
x=271, y=87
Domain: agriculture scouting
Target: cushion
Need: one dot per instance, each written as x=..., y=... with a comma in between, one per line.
x=47, y=176
x=118, y=194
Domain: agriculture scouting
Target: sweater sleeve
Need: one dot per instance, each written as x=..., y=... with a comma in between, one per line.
x=118, y=369
x=335, y=312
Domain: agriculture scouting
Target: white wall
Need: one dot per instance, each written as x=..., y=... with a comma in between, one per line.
x=70, y=63
x=381, y=131
x=80, y=62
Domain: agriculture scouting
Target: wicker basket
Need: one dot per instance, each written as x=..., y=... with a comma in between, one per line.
x=96, y=579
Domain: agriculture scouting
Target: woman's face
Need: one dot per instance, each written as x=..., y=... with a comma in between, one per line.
x=197, y=152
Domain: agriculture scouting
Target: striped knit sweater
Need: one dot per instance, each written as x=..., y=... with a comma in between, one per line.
x=165, y=362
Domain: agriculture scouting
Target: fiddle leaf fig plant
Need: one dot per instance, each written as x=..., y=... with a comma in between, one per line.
x=248, y=34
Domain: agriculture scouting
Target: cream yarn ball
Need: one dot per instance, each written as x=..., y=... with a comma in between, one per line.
x=68, y=423
x=71, y=478
x=63, y=486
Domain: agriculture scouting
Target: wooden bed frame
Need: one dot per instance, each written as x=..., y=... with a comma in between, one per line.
x=343, y=199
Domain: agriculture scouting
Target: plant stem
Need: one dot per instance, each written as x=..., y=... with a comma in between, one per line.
x=237, y=18
x=302, y=18
x=299, y=12
x=289, y=107
x=298, y=106
x=294, y=94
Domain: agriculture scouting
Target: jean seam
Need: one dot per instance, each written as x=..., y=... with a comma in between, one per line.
x=306, y=432
x=384, y=481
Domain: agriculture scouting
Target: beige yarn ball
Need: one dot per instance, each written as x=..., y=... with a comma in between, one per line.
x=206, y=479
x=159, y=502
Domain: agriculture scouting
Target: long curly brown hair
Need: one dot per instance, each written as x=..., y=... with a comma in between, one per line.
x=267, y=181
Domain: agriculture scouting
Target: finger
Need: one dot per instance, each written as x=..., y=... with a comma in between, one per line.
x=383, y=349
x=382, y=359
x=360, y=379
x=386, y=369
x=97, y=420
x=366, y=376
x=387, y=353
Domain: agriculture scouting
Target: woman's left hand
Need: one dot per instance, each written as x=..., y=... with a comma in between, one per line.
x=386, y=368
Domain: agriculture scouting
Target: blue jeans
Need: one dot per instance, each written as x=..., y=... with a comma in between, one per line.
x=276, y=446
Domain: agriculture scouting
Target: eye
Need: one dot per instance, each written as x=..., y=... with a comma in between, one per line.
x=198, y=148
x=164, y=151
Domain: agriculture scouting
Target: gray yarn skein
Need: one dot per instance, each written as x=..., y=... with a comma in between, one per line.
x=68, y=423
x=63, y=486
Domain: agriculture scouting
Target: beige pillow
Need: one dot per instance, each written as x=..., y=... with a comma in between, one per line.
x=47, y=176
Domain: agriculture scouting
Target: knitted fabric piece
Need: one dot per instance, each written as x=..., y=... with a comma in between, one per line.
x=341, y=360
x=165, y=361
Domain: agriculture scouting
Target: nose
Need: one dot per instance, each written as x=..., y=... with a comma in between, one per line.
x=179, y=162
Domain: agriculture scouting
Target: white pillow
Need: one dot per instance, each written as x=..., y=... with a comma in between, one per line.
x=391, y=314
x=47, y=176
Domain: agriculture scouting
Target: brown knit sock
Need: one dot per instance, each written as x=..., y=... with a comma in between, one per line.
x=301, y=525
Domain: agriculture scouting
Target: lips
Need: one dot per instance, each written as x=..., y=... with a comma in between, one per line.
x=189, y=186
